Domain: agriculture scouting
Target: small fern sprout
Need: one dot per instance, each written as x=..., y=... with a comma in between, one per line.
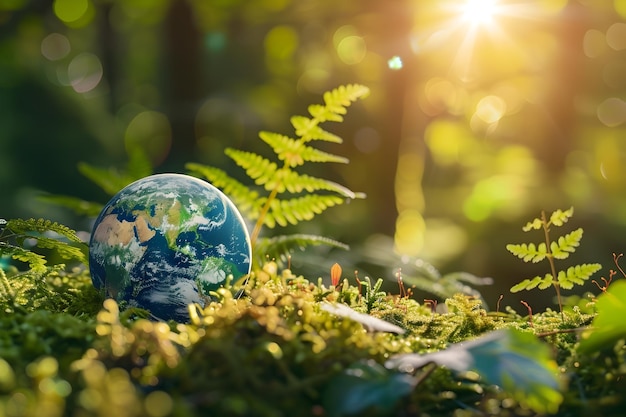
x=550, y=250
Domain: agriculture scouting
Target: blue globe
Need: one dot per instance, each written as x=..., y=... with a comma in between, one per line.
x=166, y=241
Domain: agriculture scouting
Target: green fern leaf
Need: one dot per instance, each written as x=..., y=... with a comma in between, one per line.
x=21, y=226
x=308, y=129
x=528, y=284
x=299, y=209
x=113, y=180
x=64, y=250
x=295, y=152
x=280, y=247
x=577, y=275
x=35, y=261
x=77, y=205
x=246, y=200
x=529, y=252
x=296, y=183
x=560, y=217
x=566, y=244
x=534, y=225
x=336, y=101
x=260, y=169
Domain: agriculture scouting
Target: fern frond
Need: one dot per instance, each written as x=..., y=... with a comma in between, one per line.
x=577, y=275
x=336, y=102
x=280, y=247
x=528, y=284
x=260, y=169
x=308, y=129
x=35, y=261
x=109, y=180
x=36, y=229
x=560, y=217
x=536, y=224
x=529, y=252
x=295, y=210
x=113, y=180
x=246, y=200
x=21, y=226
x=77, y=205
x=296, y=183
x=566, y=244
x=295, y=152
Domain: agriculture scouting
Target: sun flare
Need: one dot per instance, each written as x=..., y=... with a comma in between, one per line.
x=479, y=12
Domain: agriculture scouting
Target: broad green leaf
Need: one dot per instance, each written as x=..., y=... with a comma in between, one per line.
x=366, y=385
x=608, y=326
x=515, y=361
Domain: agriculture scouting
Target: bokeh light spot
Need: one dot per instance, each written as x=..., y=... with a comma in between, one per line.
x=620, y=7
x=616, y=36
x=281, y=42
x=594, y=43
x=352, y=49
x=71, y=11
x=55, y=46
x=84, y=72
x=367, y=140
x=395, y=63
x=490, y=109
x=612, y=112
x=158, y=404
x=410, y=230
x=151, y=132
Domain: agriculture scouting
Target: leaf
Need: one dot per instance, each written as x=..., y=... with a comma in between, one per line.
x=370, y=323
x=295, y=210
x=365, y=385
x=534, y=225
x=246, y=200
x=528, y=252
x=296, y=183
x=566, y=244
x=608, y=325
x=77, y=205
x=577, y=274
x=21, y=226
x=529, y=284
x=35, y=261
x=308, y=129
x=280, y=247
x=295, y=152
x=260, y=169
x=560, y=217
x=514, y=360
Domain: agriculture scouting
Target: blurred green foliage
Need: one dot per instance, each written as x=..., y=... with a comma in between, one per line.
x=475, y=120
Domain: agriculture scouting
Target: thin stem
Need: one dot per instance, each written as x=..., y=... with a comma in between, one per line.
x=259, y=223
x=555, y=282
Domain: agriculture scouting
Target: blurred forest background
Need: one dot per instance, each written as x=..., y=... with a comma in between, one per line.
x=481, y=113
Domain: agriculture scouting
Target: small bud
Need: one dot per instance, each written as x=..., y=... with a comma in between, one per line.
x=335, y=274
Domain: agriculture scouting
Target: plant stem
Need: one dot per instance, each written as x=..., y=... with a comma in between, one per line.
x=261, y=219
x=555, y=282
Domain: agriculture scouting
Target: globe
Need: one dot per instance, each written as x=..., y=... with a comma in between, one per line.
x=166, y=241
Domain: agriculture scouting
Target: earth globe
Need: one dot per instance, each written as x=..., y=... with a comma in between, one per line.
x=164, y=242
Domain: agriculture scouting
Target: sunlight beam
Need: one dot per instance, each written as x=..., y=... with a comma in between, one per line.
x=479, y=12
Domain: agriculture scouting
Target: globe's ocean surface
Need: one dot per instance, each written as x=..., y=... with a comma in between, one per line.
x=166, y=241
